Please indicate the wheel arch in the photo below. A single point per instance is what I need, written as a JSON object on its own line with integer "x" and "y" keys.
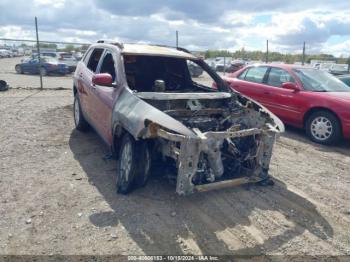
{"x": 118, "y": 132}
{"x": 316, "y": 109}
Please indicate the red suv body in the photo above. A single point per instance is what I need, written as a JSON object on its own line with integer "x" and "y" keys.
{"x": 300, "y": 96}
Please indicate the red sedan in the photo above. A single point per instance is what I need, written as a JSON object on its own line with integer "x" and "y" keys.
{"x": 303, "y": 97}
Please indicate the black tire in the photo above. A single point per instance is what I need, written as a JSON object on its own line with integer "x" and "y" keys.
{"x": 43, "y": 71}
{"x": 80, "y": 122}
{"x": 18, "y": 69}
{"x": 144, "y": 160}
{"x": 331, "y": 124}
{"x": 132, "y": 168}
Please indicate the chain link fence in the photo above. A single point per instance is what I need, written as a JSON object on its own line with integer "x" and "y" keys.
{"x": 21, "y": 67}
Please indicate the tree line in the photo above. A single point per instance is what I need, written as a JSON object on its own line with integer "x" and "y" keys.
{"x": 273, "y": 56}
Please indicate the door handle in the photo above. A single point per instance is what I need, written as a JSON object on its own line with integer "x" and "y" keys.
{"x": 267, "y": 93}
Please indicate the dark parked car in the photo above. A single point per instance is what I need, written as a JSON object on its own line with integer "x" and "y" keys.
{"x": 48, "y": 66}
{"x": 143, "y": 102}
{"x": 302, "y": 97}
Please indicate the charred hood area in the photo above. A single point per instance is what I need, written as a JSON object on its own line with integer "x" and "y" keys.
{"x": 231, "y": 131}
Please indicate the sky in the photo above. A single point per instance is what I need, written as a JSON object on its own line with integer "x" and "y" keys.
{"x": 202, "y": 24}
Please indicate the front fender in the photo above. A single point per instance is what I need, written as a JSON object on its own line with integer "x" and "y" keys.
{"x": 131, "y": 112}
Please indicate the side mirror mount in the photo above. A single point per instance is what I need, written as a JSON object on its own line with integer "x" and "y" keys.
{"x": 104, "y": 79}
{"x": 291, "y": 86}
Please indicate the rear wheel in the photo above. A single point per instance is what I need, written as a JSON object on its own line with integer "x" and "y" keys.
{"x": 80, "y": 123}
{"x": 18, "y": 69}
{"x": 323, "y": 127}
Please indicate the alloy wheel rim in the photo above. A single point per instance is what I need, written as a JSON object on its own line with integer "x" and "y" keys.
{"x": 321, "y": 128}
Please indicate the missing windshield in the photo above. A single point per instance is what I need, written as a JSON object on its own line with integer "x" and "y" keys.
{"x": 166, "y": 74}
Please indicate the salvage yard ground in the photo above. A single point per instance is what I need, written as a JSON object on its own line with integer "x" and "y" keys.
{"x": 58, "y": 195}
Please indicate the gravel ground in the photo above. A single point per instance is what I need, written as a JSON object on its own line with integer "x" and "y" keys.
{"x": 58, "y": 195}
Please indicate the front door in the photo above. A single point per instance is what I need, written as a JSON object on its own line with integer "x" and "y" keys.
{"x": 283, "y": 102}
{"x": 104, "y": 96}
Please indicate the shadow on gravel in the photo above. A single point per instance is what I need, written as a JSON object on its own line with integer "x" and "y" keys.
{"x": 343, "y": 147}
{"x": 160, "y": 222}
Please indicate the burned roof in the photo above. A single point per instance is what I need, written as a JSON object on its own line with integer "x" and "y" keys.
{"x": 154, "y": 50}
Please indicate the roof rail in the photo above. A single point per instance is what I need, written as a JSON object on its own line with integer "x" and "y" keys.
{"x": 118, "y": 44}
{"x": 177, "y": 48}
{"x": 183, "y": 50}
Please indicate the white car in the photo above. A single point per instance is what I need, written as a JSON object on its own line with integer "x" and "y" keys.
{"x": 5, "y": 53}
{"x": 69, "y": 60}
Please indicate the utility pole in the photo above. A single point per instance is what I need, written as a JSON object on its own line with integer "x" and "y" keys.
{"x": 267, "y": 52}
{"x": 38, "y": 49}
{"x": 177, "y": 39}
{"x": 303, "y": 57}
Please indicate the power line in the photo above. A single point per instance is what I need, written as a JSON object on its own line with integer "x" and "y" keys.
{"x": 49, "y": 42}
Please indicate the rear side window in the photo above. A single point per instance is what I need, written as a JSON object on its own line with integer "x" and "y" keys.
{"x": 254, "y": 74}
{"x": 278, "y": 76}
{"x": 86, "y": 56}
{"x": 94, "y": 59}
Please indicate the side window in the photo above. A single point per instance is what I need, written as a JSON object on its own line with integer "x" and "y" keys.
{"x": 108, "y": 65}
{"x": 94, "y": 59}
{"x": 198, "y": 75}
{"x": 278, "y": 76}
{"x": 256, "y": 74}
{"x": 242, "y": 75}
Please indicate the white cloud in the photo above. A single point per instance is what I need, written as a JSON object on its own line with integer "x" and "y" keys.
{"x": 50, "y": 3}
{"x": 223, "y": 24}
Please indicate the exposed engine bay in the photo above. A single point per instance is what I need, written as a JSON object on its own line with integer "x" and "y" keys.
{"x": 230, "y": 140}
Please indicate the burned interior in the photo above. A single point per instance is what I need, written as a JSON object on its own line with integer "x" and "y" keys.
{"x": 214, "y": 137}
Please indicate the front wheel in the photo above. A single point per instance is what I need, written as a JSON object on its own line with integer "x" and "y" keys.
{"x": 133, "y": 164}
{"x": 323, "y": 127}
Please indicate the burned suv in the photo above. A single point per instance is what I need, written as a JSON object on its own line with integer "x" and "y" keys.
{"x": 144, "y": 103}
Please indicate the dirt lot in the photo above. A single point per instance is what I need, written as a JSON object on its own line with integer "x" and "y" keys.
{"x": 58, "y": 196}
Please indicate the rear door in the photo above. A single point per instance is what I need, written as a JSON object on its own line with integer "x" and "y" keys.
{"x": 31, "y": 66}
{"x": 85, "y": 87}
{"x": 251, "y": 82}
